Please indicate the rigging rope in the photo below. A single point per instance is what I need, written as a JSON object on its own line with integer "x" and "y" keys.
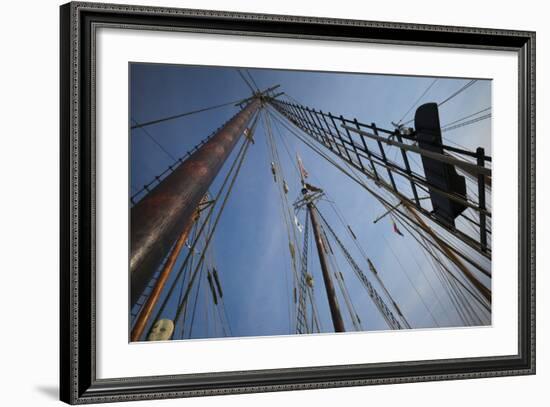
{"x": 207, "y": 265}
{"x": 422, "y": 272}
{"x": 245, "y": 81}
{"x": 314, "y": 310}
{"x": 418, "y": 100}
{"x": 285, "y": 206}
{"x": 355, "y": 320}
{"x": 464, "y": 118}
{"x": 373, "y": 294}
{"x": 430, "y": 313}
{"x": 193, "y": 236}
{"x": 252, "y": 79}
{"x": 301, "y": 314}
{"x": 446, "y": 284}
{"x": 435, "y": 270}
{"x": 467, "y": 123}
{"x": 404, "y": 221}
{"x": 157, "y": 143}
{"x": 347, "y": 227}
{"x": 177, "y": 116}
{"x": 453, "y": 95}
{"x": 458, "y": 92}
{"x": 463, "y": 306}
{"x": 194, "y": 303}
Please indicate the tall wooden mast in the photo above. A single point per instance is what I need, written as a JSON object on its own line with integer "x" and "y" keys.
{"x": 335, "y": 313}
{"x": 158, "y": 219}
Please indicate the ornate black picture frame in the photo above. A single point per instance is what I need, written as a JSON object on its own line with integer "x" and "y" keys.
{"x": 77, "y": 247}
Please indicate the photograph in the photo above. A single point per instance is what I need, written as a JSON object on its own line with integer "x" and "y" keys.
{"x": 278, "y": 199}
{"x": 268, "y": 202}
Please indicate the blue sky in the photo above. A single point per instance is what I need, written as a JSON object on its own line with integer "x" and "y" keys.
{"x": 250, "y": 247}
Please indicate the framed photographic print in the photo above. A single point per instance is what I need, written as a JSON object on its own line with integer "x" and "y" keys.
{"x": 257, "y": 203}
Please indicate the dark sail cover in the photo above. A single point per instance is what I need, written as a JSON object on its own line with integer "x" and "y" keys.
{"x": 440, "y": 175}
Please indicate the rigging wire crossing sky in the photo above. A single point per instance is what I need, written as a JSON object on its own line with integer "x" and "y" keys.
{"x": 250, "y": 248}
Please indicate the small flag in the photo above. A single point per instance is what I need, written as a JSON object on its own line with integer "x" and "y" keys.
{"x": 298, "y": 226}
{"x": 303, "y": 171}
{"x": 396, "y": 230}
